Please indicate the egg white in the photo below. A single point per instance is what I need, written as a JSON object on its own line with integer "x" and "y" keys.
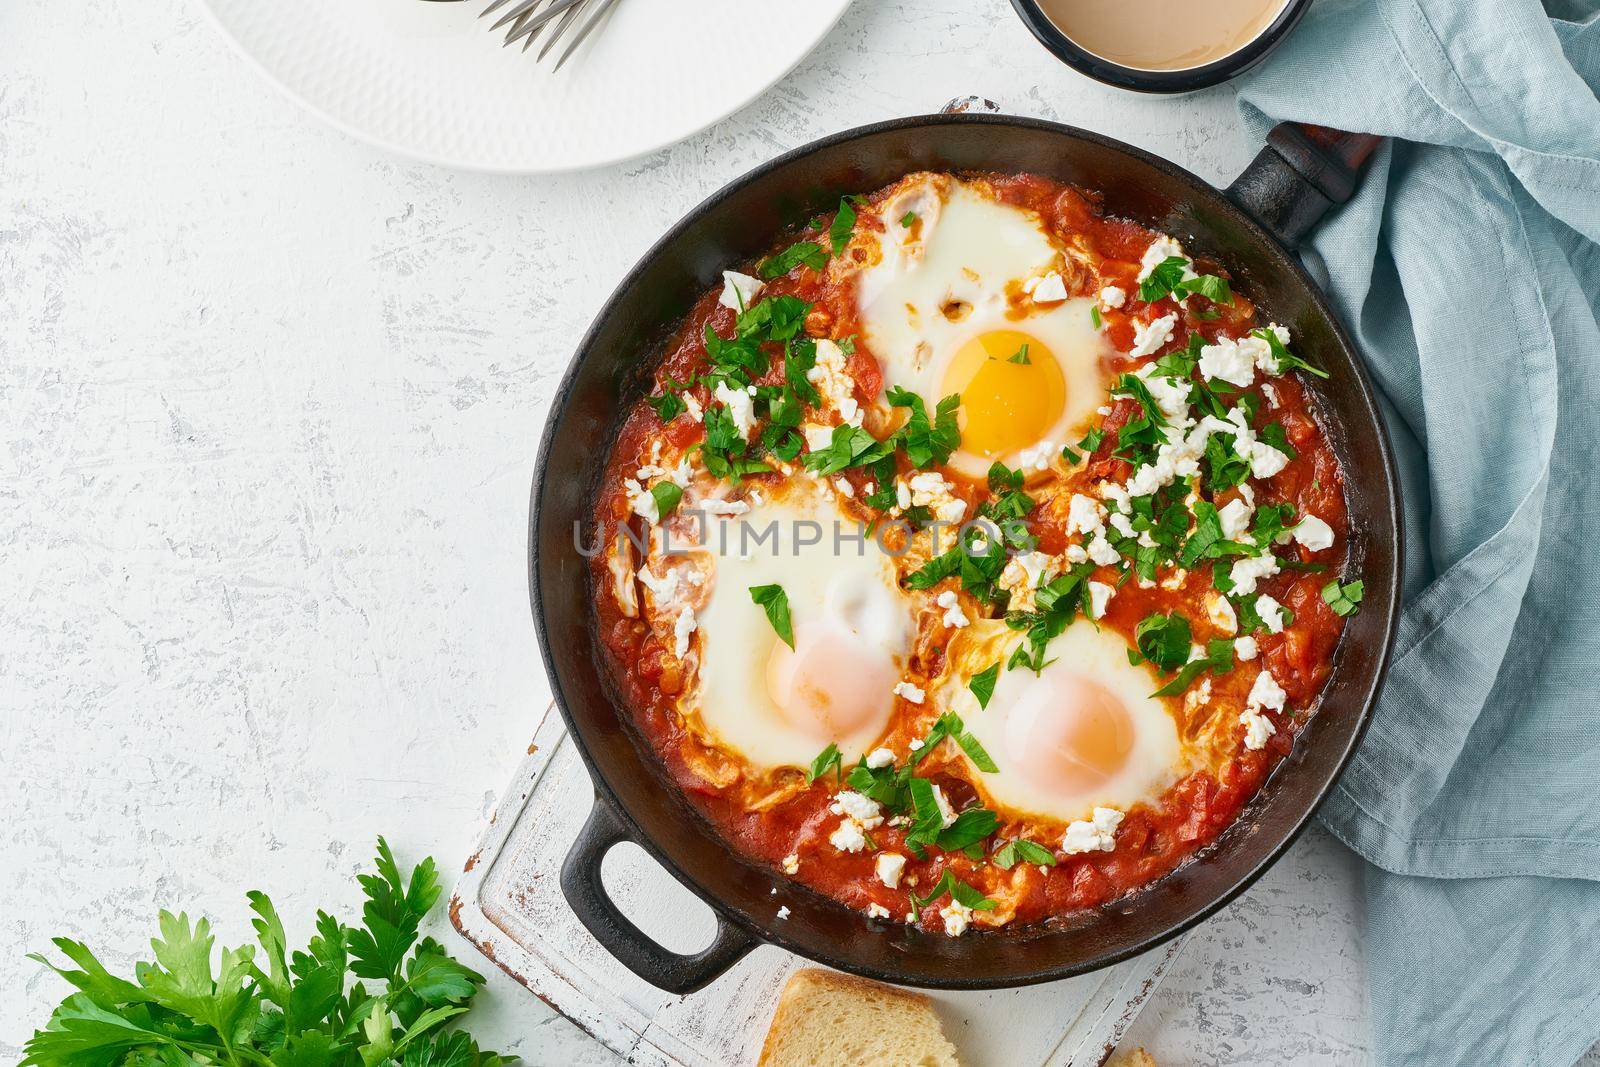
{"x": 849, "y": 585}
{"x": 963, "y": 248}
{"x": 1155, "y": 761}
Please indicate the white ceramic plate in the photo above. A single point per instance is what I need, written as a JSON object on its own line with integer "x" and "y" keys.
{"x": 428, "y": 81}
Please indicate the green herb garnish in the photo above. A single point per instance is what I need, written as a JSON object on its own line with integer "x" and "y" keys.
{"x": 807, "y": 252}
{"x": 775, "y": 602}
{"x": 1344, "y": 599}
{"x": 982, "y": 684}
{"x": 1021, "y": 850}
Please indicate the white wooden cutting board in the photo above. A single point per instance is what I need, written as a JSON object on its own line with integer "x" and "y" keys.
{"x": 509, "y": 904}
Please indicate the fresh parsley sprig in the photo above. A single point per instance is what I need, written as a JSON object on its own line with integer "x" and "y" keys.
{"x": 263, "y": 1006}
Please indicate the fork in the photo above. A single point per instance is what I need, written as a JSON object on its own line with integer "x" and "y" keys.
{"x": 528, "y": 18}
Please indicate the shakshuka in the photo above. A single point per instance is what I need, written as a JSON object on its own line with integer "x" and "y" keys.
{"x": 975, "y": 555}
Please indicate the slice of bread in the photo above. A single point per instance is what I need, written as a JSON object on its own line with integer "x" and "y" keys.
{"x": 1133, "y": 1058}
{"x": 828, "y": 1019}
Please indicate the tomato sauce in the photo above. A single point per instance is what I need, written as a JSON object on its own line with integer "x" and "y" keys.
{"x": 1153, "y": 838}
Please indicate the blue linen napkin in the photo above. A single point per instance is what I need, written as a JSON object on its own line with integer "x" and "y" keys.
{"x": 1468, "y": 270}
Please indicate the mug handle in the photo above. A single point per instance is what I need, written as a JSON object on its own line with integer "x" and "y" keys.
{"x": 1301, "y": 173}
{"x": 586, "y": 894}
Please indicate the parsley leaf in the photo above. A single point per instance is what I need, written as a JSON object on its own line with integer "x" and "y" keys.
{"x": 927, "y": 442}
{"x": 197, "y": 1003}
{"x": 668, "y": 404}
{"x": 1021, "y": 850}
{"x": 1210, "y": 286}
{"x": 959, "y": 891}
{"x": 843, "y": 223}
{"x": 1163, "y": 278}
{"x": 1021, "y": 356}
{"x": 667, "y": 496}
{"x": 851, "y": 446}
{"x": 808, "y": 252}
{"x": 1218, "y": 659}
{"x": 775, "y": 602}
{"x": 1285, "y": 359}
{"x": 907, "y": 219}
{"x": 828, "y": 757}
{"x": 1163, "y": 640}
{"x": 1344, "y": 599}
{"x": 982, "y": 684}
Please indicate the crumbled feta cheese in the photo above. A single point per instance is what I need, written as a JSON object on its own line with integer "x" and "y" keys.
{"x": 1038, "y": 457}
{"x": 957, "y": 917}
{"x": 1266, "y": 693}
{"x": 1103, "y": 410}
{"x": 791, "y": 863}
{"x": 1112, "y": 297}
{"x": 685, "y": 625}
{"x": 1245, "y": 648}
{"x": 1227, "y": 361}
{"x": 817, "y": 437}
{"x": 890, "y": 865}
{"x": 914, "y": 744}
{"x": 1117, "y": 495}
{"x": 1175, "y": 579}
{"x": 1101, "y": 552}
{"x": 1076, "y": 554}
{"x": 692, "y": 405}
{"x": 1271, "y": 613}
{"x": 1084, "y": 515}
{"x": 844, "y": 487}
{"x": 1148, "y": 337}
{"x": 664, "y": 589}
{"x": 879, "y": 757}
{"x": 1245, "y": 573}
{"x": 1050, "y": 290}
{"x": 848, "y": 837}
{"x": 1170, "y": 394}
{"x": 912, "y": 695}
{"x": 1265, "y": 461}
{"x": 1121, "y": 524}
{"x": 863, "y": 809}
{"x": 1280, "y": 332}
{"x": 832, "y": 379}
{"x": 1314, "y": 534}
{"x": 1097, "y": 834}
{"x": 1099, "y": 596}
{"x": 1270, "y": 393}
{"x": 1235, "y": 519}
{"x": 717, "y": 506}
{"x": 902, "y": 496}
{"x": 738, "y": 290}
{"x": 1023, "y": 574}
{"x": 641, "y": 501}
{"x": 741, "y": 406}
{"x": 1257, "y": 728}
{"x": 946, "y": 812}
{"x": 1198, "y": 696}
{"x": 1221, "y": 613}
{"x": 954, "y": 617}
{"x": 1161, "y": 249}
{"x": 877, "y": 911}
{"x": 930, "y": 489}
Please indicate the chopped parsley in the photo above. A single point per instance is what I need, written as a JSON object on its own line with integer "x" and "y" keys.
{"x": 1021, "y": 356}
{"x": 775, "y": 602}
{"x": 959, "y": 891}
{"x": 982, "y": 684}
{"x": 807, "y": 252}
{"x": 1218, "y": 659}
{"x": 1285, "y": 359}
{"x": 843, "y": 223}
{"x": 828, "y": 757}
{"x": 1163, "y": 640}
{"x": 1210, "y": 286}
{"x": 1021, "y": 850}
{"x": 907, "y": 219}
{"x": 1055, "y": 605}
{"x": 1163, "y": 278}
{"x": 1344, "y": 599}
{"x": 927, "y": 442}
{"x": 851, "y": 446}
{"x": 667, "y": 497}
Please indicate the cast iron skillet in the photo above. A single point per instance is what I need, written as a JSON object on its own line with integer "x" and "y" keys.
{"x": 1250, "y": 228}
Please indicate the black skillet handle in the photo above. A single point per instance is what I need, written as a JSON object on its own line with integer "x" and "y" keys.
{"x": 636, "y": 950}
{"x": 1300, "y": 175}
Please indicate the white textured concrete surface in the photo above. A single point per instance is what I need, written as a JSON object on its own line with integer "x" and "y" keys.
{"x": 271, "y": 400}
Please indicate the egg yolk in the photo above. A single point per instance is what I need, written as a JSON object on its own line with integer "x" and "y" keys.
{"x": 831, "y": 685}
{"x": 1012, "y": 391}
{"x": 1070, "y": 735}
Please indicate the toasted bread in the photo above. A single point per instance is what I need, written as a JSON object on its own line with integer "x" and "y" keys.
{"x": 825, "y": 1019}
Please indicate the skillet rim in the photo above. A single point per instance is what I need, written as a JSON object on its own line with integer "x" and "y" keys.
{"x": 1387, "y": 524}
